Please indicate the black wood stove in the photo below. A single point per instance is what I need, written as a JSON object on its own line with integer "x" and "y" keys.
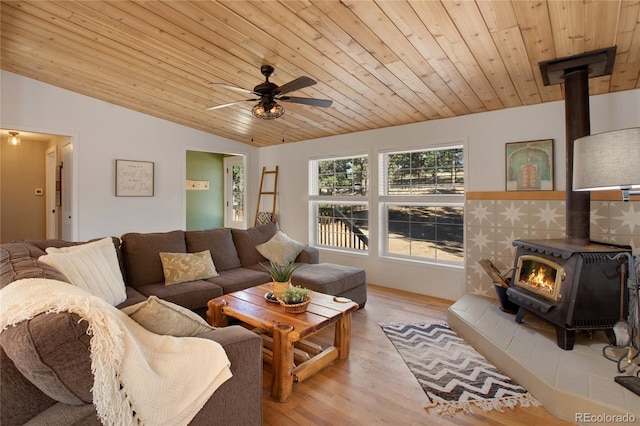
{"x": 571, "y": 283}
{"x": 573, "y": 287}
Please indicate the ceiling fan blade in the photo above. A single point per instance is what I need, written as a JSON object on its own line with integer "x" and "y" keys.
{"x": 234, "y": 88}
{"x": 323, "y": 103}
{"x": 229, "y": 104}
{"x": 297, "y": 84}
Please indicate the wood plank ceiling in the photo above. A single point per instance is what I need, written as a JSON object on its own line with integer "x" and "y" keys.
{"x": 382, "y": 63}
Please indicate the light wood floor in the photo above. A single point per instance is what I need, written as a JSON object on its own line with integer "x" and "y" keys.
{"x": 374, "y": 386}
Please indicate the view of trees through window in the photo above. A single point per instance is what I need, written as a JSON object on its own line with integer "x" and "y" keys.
{"x": 237, "y": 192}
{"x": 421, "y": 199}
{"x": 346, "y": 176}
{"x": 421, "y": 223}
{"x": 426, "y": 172}
{"x": 344, "y": 220}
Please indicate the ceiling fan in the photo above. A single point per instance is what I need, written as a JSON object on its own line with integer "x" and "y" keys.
{"x": 267, "y": 93}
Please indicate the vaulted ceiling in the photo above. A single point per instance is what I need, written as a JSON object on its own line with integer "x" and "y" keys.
{"x": 382, "y": 63}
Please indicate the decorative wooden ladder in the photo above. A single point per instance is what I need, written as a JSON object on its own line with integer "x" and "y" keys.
{"x": 266, "y": 216}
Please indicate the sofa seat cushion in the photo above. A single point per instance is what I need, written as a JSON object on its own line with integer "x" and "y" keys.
{"x": 241, "y": 278}
{"x": 191, "y": 294}
{"x": 328, "y": 278}
{"x": 64, "y": 414}
{"x": 246, "y": 241}
{"x": 219, "y": 242}
{"x": 133, "y": 297}
{"x": 141, "y": 255}
{"x": 53, "y": 352}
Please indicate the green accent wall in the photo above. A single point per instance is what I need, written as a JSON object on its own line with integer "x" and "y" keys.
{"x": 205, "y": 209}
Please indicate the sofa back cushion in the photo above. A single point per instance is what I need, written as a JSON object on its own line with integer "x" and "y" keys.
{"x": 20, "y": 260}
{"x": 56, "y": 243}
{"x": 52, "y": 352}
{"x": 141, "y": 255}
{"x": 246, "y": 241}
{"x": 219, "y": 242}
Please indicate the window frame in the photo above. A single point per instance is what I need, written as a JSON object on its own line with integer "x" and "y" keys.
{"x": 315, "y": 200}
{"x": 386, "y": 200}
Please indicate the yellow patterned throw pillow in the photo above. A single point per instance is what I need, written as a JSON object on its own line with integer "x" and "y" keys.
{"x": 183, "y": 267}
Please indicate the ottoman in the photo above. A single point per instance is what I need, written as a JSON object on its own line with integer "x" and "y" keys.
{"x": 337, "y": 280}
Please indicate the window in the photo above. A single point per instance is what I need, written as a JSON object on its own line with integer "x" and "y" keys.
{"x": 339, "y": 202}
{"x": 234, "y": 213}
{"x": 422, "y": 204}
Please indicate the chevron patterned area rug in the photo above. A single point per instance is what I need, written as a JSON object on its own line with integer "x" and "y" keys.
{"x": 453, "y": 375}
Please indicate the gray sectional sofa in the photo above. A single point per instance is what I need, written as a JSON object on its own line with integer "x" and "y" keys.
{"x": 57, "y": 340}
{"x": 237, "y": 261}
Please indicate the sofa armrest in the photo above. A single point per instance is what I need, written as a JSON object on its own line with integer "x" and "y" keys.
{"x": 239, "y": 399}
{"x": 308, "y": 255}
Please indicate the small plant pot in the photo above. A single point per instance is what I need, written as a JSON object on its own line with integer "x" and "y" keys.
{"x": 297, "y": 307}
{"x": 279, "y": 288}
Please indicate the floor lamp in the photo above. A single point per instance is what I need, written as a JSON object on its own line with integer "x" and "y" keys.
{"x": 611, "y": 160}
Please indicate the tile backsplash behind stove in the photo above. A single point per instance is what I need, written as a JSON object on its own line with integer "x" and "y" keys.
{"x": 493, "y": 224}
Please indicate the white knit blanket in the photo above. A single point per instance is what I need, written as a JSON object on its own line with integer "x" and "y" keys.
{"x": 164, "y": 380}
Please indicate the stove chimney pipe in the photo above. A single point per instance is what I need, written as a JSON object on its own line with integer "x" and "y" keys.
{"x": 578, "y": 204}
{"x": 575, "y": 72}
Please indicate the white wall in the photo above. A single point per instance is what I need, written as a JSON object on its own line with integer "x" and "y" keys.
{"x": 484, "y": 136}
{"x": 102, "y": 133}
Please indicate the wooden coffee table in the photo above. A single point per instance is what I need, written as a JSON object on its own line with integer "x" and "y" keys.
{"x": 292, "y": 358}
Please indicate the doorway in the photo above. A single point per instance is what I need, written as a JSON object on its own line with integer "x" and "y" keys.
{"x": 215, "y": 190}
{"x": 29, "y": 171}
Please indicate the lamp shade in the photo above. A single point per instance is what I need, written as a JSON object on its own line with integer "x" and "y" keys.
{"x": 609, "y": 160}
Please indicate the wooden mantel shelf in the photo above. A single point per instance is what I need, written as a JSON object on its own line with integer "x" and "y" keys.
{"x": 614, "y": 195}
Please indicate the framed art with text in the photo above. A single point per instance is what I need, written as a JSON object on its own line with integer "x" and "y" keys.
{"x": 134, "y": 178}
{"x": 529, "y": 165}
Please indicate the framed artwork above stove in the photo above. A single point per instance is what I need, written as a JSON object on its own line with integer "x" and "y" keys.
{"x": 529, "y": 165}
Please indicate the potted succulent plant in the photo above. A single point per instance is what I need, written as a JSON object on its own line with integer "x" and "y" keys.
{"x": 281, "y": 276}
{"x": 295, "y": 299}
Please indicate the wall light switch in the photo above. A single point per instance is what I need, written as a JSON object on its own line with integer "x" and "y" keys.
{"x": 39, "y": 191}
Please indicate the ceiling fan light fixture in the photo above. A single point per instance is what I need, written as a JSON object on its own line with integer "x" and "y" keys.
{"x": 268, "y": 111}
{"x": 14, "y": 138}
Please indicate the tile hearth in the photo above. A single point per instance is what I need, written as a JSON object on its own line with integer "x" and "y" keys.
{"x": 567, "y": 383}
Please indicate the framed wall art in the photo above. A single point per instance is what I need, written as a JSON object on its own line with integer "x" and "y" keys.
{"x": 134, "y": 178}
{"x": 529, "y": 165}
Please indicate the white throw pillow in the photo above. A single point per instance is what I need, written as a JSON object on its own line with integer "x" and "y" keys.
{"x": 162, "y": 317}
{"x": 280, "y": 249}
{"x": 93, "y": 267}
